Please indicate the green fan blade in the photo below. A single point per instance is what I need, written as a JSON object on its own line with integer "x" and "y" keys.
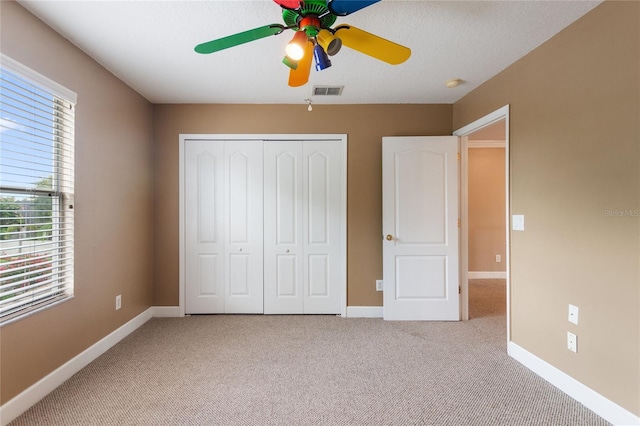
{"x": 240, "y": 38}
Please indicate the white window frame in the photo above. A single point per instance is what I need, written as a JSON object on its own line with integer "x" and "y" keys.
{"x": 58, "y": 255}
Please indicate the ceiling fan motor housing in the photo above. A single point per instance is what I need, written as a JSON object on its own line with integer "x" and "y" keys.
{"x": 309, "y": 9}
{"x": 310, "y": 25}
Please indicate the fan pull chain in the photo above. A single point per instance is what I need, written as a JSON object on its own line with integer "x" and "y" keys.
{"x": 309, "y": 100}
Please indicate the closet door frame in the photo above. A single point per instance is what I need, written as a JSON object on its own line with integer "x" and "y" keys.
{"x": 340, "y": 138}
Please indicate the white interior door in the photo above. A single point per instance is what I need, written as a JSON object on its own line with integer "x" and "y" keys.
{"x": 263, "y": 225}
{"x": 303, "y": 227}
{"x": 223, "y": 227}
{"x": 420, "y": 227}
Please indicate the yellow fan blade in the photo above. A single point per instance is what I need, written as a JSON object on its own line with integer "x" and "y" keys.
{"x": 300, "y": 75}
{"x": 372, "y": 45}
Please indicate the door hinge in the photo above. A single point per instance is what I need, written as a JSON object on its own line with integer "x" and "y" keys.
{"x": 458, "y": 156}
{"x": 459, "y": 223}
{"x": 459, "y": 290}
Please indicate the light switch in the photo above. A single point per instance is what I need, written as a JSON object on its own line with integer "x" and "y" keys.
{"x": 573, "y": 314}
{"x": 517, "y": 222}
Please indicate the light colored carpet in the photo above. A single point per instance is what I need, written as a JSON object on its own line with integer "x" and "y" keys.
{"x": 312, "y": 370}
{"x": 487, "y": 298}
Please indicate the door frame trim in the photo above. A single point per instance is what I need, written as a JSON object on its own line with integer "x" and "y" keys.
{"x": 497, "y": 115}
{"x": 183, "y": 137}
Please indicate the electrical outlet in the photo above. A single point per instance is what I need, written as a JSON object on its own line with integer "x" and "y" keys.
{"x": 498, "y": 258}
{"x": 118, "y": 302}
{"x": 572, "y": 342}
{"x": 379, "y": 285}
{"x": 573, "y": 314}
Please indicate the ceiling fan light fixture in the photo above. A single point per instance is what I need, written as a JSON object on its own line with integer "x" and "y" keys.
{"x": 322, "y": 60}
{"x": 330, "y": 43}
{"x": 295, "y": 48}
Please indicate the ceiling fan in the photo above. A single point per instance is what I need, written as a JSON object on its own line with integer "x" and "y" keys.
{"x": 311, "y": 20}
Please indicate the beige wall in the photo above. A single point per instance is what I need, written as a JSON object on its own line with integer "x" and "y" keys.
{"x": 365, "y": 126}
{"x": 487, "y": 204}
{"x": 113, "y": 202}
{"x": 575, "y": 160}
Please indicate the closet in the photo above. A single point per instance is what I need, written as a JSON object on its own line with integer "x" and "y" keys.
{"x": 263, "y": 225}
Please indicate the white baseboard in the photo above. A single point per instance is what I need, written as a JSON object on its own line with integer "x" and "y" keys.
{"x": 30, "y": 396}
{"x": 487, "y": 275}
{"x": 597, "y": 403}
{"x": 166, "y": 311}
{"x": 364, "y": 311}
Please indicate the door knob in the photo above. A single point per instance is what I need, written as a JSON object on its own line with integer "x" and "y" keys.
{"x": 389, "y": 237}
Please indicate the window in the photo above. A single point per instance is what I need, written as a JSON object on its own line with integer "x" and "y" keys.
{"x": 36, "y": 191}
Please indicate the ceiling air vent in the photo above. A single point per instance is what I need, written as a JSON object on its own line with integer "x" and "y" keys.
{"x": 327, "y": 90}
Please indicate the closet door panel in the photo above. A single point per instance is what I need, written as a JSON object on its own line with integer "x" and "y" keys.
{"x": 244, "y": 226}
{"x": 322, "y": 214}
{"x": 204, "y": 227}
{"x": 283, "y": 267}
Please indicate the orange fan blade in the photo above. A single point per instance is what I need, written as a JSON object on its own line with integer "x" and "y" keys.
{"x": 300, "y": 76}
{"x": 372, "y": 45}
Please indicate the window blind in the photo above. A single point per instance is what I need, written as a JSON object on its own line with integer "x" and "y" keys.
{"x": 36, "y": 193}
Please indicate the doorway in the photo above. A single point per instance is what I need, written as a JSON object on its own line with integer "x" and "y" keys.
{"x": 486, "y": 221}
{"x": 487, "y": 133}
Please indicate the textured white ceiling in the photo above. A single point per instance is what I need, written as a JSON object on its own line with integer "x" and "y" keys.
{"x": 149, "y": 45}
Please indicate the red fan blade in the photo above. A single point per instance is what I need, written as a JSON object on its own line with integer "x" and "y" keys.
{"x": 289, "y": 4}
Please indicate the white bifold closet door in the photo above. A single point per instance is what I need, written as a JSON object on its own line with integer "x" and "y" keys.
{"x": 224, "y": 227}
{"x": 302, "y": 234}
{"x": 263, "y": 226}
